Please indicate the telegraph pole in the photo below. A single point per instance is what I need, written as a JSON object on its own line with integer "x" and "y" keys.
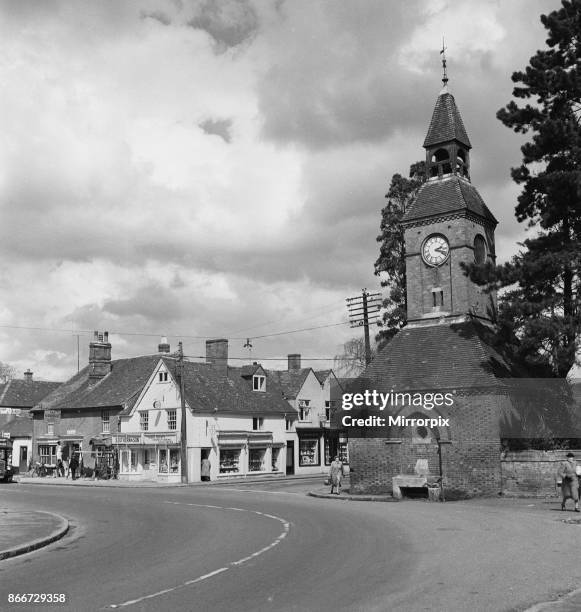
{"x": 361, "y": 309}
{"x": 183, "y": 428}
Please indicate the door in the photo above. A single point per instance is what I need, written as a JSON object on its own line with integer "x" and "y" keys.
{"x": 290, "y": 458}
{"x": 23, "y": 460}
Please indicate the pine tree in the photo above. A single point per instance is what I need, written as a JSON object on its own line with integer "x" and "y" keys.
{"x": 539, "y": 313}
{"x": 390, "y": 265}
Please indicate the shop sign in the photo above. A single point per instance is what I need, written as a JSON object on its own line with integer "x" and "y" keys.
{"x": 52, "y": 414}
{"x": 5, "y": 434}
{"x": 127, "y": 439}
{"x": 157, "y": 438}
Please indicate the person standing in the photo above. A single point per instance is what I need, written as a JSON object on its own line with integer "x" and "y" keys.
{"x": 59, "y": 471}
{"x": 336, "y": 473}
{"x": 73, "y": 465}
{"x": 570, "y": 481}
{"x": 66, "y": 455}
{"x": 206, "y": 466}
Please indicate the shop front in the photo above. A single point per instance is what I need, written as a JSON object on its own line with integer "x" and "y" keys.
{"x": 148, "y": 457}
{"x": 248, "y": 454}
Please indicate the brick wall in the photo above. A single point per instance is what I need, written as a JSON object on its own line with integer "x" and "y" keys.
{"x": 532, "y": 472}
{"x": 460, "y": 294}
{"x": 471, "y": 450}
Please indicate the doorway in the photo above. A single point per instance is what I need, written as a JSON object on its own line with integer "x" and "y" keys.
{"x": 23, "y": 460}
{"x": 290, "y": 458}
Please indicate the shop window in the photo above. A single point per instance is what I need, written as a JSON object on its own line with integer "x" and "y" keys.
{"x": 309, "y": 451}
{"x": 172, "y": 421}
{"x": 174, "y": 461}
{"x": 256, "y": 460}
{"x": 336, "y": 447}
{"x": 259, "y": 383}
{"x": 257, "y": 423}
{"x": 229, "y": 460}
{"x": 47, "y": 454}
{"x": 275, "y": 458}
{"x": 144, "y": 420}
{"x": 105, "y": 421}
{"x": 128, "y": 461}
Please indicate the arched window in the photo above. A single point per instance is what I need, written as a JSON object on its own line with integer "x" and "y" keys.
{"x": 480, "y": 250}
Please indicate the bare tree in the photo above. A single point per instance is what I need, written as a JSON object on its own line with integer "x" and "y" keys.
{"x": 7, "y": 372}
{"x": 351, "y": 362}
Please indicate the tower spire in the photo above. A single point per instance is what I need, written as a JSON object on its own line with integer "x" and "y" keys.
{"x": 444, "y": 73}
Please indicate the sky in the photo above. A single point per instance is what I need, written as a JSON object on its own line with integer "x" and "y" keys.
{"x": 202, "y": 169}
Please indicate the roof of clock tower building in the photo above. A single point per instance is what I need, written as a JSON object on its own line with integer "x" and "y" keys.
{"x": 443, "y": 196}
{"x": 446, "y": 123}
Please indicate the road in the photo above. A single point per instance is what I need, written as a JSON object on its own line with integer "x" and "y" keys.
{"x": 270, "y": 547}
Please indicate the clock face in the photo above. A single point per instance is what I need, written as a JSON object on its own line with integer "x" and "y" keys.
{"x": 435, "y": 250}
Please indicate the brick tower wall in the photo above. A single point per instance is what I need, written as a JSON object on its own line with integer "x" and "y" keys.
{"x": 471, "y": 451}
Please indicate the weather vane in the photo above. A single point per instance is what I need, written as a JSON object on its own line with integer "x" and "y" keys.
{"x": 443, "y": 54}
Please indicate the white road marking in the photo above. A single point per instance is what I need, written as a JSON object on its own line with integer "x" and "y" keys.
{"x": 259, "y": 491}
{"x": 275, "y": 542}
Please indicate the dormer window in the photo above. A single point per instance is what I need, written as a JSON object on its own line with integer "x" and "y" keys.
{"x": 259, "y": 383}
{"x": 163, "y": 377}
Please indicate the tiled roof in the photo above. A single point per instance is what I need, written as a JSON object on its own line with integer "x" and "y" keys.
{"x": 291, "y": 381}
{"x": 24, "y": 393}
{"x": 438, "y": 357}
{"x": 446, "y": 123}
{"x": 18, "y": 426}
{"x": 119, "y": 388}
{"x": 322, "y": 375}
{"x": 444, "y": 196}
{"x": 206, "y": 388}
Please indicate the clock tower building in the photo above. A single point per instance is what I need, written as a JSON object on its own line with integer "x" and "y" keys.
{"x": 447, "y": 224}
{"x": 448, "y": 348}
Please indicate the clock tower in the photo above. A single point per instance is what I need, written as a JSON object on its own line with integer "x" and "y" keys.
{"x": 447, "y": 224}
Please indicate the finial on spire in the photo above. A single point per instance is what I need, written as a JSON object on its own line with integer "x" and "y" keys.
{"x": 443, "y": 54}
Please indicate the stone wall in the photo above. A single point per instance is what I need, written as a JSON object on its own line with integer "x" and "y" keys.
{"x": 532, "y": 472}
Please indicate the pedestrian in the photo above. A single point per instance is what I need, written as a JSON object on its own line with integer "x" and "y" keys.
{"x": 59, "y": 471}
{"x": 91, "y": 463}
{"x": 66, "y": 455}
{"x": 206, "y": 465}
{"x": 336, "y": 473}
{"x": 73, "y": 465}
{"x": 569, "y": 481}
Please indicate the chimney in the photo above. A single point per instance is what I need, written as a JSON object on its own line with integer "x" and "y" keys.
{"x": 217, "y": 354}
{"x": 163, "y": 346}
{"x": 99, "y": 357}
{"x": 294, "y": 361}
{"x": 28, "y": 376}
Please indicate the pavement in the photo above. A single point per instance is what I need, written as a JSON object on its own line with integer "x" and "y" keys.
{"x": 22, "y": 531}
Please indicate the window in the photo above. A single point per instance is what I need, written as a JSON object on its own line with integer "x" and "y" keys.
{"x": 259, "y": 383}
{"x": 256, "y": 460}
{"x": 309, "y": 451}
{"x": 47, "y": 453}
{"x": 146, "y": 460}
{"x": 336, "y": 447}
{"x": 144, "y": 420}
{"x": 163, "y": 377}
{"x": 229, "y": 460}
{"x": 169, "y": 461}
{"x": 479, "y": 249}
{"x": 304, "y": 410}
{"x": 275, "y": 458}
{"x": 105, "y": 421}
{"x": 257, "y": 423}
{"x": 50, "y": 429}
{"x": 437, "y": 297}
{"x": 172, "y": 421}
{"x": 128, "y": 461}
{"x": 289, "y": 424}
{"x": 327, "y": 410}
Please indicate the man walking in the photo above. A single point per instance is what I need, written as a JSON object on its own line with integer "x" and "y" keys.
{"x": 336, "y": 473}
{"x": 569, "y": 481}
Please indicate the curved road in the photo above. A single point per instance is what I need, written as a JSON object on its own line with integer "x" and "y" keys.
{"x": 227, "y": 549}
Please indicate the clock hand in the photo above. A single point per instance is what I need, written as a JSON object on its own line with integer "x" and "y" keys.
{"x": 442, "y": 250}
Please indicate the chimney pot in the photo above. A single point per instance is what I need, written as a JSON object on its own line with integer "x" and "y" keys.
{"x": 163, "y": 346}
{"x": 28, "y": 375}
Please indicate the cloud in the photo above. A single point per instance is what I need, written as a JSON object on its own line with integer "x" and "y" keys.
{"x": 218, "y": 127}
{"x": 229, "y": 23}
